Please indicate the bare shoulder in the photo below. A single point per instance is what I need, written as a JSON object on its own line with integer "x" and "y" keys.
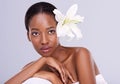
{"x": 83, "y": 55}
{"x": 82, "y": 51}
{"x": 84, "y": 66}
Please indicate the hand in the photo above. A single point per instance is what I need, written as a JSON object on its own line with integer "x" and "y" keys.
{"x": 58, "y": 67}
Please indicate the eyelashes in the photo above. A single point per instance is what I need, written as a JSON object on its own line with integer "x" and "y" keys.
{"x": 52, "y": 31}
{"x": 49, "y": 32}
{"x": 35, "y": 33}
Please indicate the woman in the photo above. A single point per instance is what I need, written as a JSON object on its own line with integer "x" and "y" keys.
{"x": 58, "y": 64}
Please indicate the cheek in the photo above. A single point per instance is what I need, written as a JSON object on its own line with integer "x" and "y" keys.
{"x": 54, "y": 40}
{"x": 35, "y": 42}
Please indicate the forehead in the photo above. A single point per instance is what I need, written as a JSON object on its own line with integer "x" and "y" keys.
{"x": 42, "y": 19}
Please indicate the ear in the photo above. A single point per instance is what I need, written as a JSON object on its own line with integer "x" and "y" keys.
{"x": 28, "y": 36}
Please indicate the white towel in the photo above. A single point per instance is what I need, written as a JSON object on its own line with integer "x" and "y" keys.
{"x": 35, "y": 80}
{"x": 99, "y": 80}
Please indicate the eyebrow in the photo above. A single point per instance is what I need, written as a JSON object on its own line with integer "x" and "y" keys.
{"x": 50, "y": 27}
{"x": 34, "y": 29}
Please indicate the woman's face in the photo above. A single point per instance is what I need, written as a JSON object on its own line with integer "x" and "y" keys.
{"x": 42, "y": 34}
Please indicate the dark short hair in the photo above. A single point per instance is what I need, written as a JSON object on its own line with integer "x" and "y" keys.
{"x": 40, "y": 7}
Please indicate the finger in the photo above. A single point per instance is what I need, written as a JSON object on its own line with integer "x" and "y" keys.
{"x": 62, "y": 73}
{"x": 59, "y": 68}
{"x": 70, "y": 76}
{"x": 65, "y": 77}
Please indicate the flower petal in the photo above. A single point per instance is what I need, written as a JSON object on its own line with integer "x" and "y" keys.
{"x": 61, "y": 30}
{"x": 58, "y": 15}
{"x": 67, "y": 28}
{"x": 76, "y": 31}
{"x": 77, "y": 19}
{"x": 72, "y": 11}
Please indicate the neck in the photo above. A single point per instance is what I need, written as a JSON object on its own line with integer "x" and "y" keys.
{"x": 62, "y": 53}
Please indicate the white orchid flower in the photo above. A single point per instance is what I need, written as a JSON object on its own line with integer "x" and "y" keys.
{"x": 67, "y": 24}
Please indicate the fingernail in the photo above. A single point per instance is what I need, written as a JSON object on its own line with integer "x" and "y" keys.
{"x": 64, "y": 81}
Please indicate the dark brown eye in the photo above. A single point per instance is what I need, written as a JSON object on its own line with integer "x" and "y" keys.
{"x": 52, "y": 31}
{"x": 35, "y": 33}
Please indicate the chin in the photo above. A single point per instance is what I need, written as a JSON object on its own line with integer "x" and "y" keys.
{"x": 45, "y": 54}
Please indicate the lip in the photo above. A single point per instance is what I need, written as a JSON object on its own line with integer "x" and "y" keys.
{"x": 45, "y": 49}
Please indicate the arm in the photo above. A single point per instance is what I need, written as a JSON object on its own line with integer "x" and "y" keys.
{"x": 33, "y": 68}
{"x": 85, "y": 66}
{"x": 27, "y": 72}
{"x": 52, "y": 77}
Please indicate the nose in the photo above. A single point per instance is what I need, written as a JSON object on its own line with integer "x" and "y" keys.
{"x": 44, "y": 39}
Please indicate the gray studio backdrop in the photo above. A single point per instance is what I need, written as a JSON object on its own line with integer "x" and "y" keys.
{"x": 101, "y": 31}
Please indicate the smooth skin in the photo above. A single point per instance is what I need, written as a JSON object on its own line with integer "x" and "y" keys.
{"x": 58, "y": 64}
